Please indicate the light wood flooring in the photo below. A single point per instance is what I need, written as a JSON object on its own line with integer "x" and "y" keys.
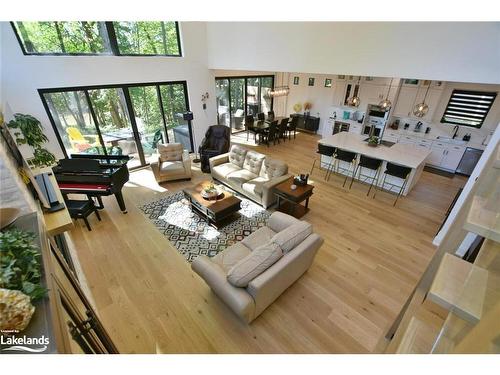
{"x": 373, "y": 255}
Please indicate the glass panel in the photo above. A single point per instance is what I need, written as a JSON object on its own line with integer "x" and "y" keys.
{"x": 74, "y": 122}
{"x": 222, "y": 91}
{"x": 149, "y": 120}
{"x": 266, "y": 84}
{"x": 253, "y": 105}
{"x": 63, "y": 37}
{"x": 110, "y": 109}
{"x": 147, "y": 38}
{"x": 173, "y": 99}
{"x": 237, "y": 89}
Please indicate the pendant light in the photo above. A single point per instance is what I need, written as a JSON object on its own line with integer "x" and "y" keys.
{"x": 282, "y": 90}
{"x": 354, "y": 100}
{"x": 385, "y": 105}
{"x": 421, "y": 109}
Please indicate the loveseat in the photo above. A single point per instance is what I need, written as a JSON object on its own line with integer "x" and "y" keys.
{"x": 249, "y": 275}
{"x": 250, "y": 173}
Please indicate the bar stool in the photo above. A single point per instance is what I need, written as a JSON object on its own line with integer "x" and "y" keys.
{"x": 398, "y": 171}
{"x": 348, "y": 157}
{"x": 368, "y": 163}
{"x": 81, "y": 209}
{"x": 326, "y": 151}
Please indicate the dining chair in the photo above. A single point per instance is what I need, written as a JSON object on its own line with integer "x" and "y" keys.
{"x": 292, "y": 127}
{"x": 271, "y": 133}
{"x": 261, "y": 116}
{"x": 282, "y": 129}
{"x": 249, "y": 126}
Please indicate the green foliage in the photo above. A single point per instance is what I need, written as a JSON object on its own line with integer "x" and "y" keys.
{"x": 89, "y": 37}
{"x": 147, "y": 38}
{"x": 19, "y": 263}
{"x": 373, "y": 140}
{"x": 63, "y": 37}
{"x": 31, "y": 133}
{"x": 31, "y": 130}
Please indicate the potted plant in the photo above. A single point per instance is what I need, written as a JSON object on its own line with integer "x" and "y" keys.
{"x": 373, "y": 141}
{"x": 307, "y": 108}
{"x": 29, "y": 131}
{"x": 210, "y": 191}
{"x": 20, "y": 278}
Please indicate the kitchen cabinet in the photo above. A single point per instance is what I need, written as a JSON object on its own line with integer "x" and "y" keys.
{"x": 406, "y": 101}
{"x": 338, "y": 93}
{"x": 409, "y": 96}
{"x": 445, "y": 156}
{"x": 432, "y": 100}
{"x": 436, "y": 156}
{"x": 452, "y": 157}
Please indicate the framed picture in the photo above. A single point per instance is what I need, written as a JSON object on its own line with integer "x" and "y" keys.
{"x": 311, "y": 81}
{"x": 295, "y": 80}
{"x": 328, "y": 82}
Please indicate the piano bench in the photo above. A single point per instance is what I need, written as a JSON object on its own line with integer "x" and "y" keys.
{"x": 81, "y": 209}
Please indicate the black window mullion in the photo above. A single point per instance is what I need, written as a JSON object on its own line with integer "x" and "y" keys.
{"x": 162, "y": 110}
{"x": 190, "y": 127}
{"x": 229, "y": 98}
{"x": 272, "y": 98}
{"x": 113, "y": 43}
{"x": 96, "y": 123}
{"x": 246, "y": 99}
{"x": 178, "y": 38}
{"x": 131, "y": 113}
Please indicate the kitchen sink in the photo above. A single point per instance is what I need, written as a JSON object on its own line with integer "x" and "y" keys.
{"x": 451, "y": 140}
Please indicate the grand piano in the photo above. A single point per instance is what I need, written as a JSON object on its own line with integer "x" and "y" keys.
{"x": 94, "y": 176}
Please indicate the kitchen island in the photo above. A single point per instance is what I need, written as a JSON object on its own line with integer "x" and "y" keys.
{"x": 402, "y": 154}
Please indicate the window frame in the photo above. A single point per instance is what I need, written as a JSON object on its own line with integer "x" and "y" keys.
{"x": 472, "y": 92}
{"x": 113, "y": 43}
{"x": 129, "y": 107}
{"x": 245, "y": 77}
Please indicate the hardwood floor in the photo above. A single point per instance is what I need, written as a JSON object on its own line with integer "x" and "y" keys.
{"x": 151, "y": 301}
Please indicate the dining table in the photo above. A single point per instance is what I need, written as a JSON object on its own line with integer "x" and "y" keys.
{"x": 260, "y": 126}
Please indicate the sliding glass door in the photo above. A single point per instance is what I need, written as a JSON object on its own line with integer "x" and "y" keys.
{"x": 241, "y": 96}
{"x": 237, "y": 100}
{"x": 222, "y": 93}
{"x": 120, "y": 120}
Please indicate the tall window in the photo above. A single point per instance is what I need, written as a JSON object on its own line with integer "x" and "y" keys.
{"x": 468, "y": 108}
{"x": 241, "y": 96}
{"x": 159, "y": 38}
{"x": 130, "y": 119}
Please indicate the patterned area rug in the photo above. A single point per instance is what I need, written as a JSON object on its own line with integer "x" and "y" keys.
{"x": 191, "y": 235}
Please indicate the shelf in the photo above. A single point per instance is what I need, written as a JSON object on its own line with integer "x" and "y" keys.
{"x": 460, "y": 286}
{"x": 484, "y": 218}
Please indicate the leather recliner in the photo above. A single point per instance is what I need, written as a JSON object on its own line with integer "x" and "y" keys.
{"x": 216, "y": 142}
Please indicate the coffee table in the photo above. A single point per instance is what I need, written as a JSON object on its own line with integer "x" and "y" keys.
{"x": 217, "y": 211}
{"x": 293, "y": 198}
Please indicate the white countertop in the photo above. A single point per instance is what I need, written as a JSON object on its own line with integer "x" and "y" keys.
{"x": 402, "y": 154}
{"x": 432, "y": 136}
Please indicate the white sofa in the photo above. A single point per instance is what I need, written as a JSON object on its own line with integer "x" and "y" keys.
{"x": 250, "y": 173}
{"x": 249, "y": 275}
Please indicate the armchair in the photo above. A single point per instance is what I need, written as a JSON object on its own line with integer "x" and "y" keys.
{"x": 216, "y": 142}
{"x": 173, "y": 163}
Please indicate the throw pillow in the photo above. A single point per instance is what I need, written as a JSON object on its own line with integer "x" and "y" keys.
{"x": 290, "y": 237}
{"x": 254, "y": 264}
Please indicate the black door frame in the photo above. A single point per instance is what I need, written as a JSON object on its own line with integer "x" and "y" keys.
{"x": 130, "y": 110}
{"x": 228, "y": 78}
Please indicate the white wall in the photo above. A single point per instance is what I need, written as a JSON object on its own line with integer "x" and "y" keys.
{"x": 23, "y": 75}
{"x": 447, "y": 51}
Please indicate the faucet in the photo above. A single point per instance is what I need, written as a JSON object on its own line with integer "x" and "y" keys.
{"x": 455, "y": 131}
